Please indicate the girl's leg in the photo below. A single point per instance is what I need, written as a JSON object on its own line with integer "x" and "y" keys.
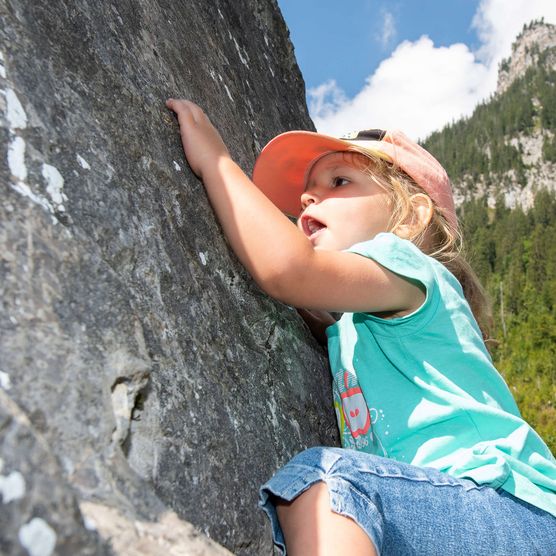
{"x": 311, "y": 528}
{"x": 403, "y": 509}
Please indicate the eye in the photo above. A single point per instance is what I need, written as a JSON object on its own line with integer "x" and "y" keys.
{"x": 338, "y": 180}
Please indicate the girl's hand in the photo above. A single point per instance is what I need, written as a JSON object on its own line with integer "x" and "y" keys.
{"x": 318, "y": 322}
{"x": 274, "y": 251}
{"x": 202, "y": 143}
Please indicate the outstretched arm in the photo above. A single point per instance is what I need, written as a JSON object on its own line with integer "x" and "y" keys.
{"x": 278, "y": 256}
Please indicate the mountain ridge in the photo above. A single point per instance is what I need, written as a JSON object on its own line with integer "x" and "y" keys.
{"x": 535, "y": 38}
{"x": 507, "y": 147}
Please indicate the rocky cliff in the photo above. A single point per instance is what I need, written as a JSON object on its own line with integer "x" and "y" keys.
{"x": 146, "y": 383}
{"x": 507, "y": 148}
{"x": 534, "y": 48}
{"x": 536, "y": 38}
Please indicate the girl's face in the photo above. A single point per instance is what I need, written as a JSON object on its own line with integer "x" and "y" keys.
{"x": 341, "y": 204}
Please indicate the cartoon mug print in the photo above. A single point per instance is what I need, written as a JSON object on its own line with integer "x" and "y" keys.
{"x": 354, "y": 407}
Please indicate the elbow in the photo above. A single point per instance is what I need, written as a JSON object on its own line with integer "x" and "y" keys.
{"x": 280, "y": 284}
{"x": 286, "y": 276}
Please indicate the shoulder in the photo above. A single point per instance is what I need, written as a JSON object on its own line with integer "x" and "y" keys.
{"x": 397, "y": 255}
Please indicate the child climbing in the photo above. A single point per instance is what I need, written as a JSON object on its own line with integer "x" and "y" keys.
{"x": 436, "y": 458}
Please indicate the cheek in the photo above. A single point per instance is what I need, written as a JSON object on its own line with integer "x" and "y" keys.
{"x": 383, "y": 210}
{"x": 376, "y": 213}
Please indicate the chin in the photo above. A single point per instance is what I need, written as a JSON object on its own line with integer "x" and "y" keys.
{"x": 331, "y": 246}
{"x": 330, "y": 242}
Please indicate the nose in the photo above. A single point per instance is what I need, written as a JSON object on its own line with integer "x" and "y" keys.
{"x": 308, "y": 198}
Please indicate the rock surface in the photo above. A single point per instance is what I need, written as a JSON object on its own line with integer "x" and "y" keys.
{"x": 146, "y": 381}
{"x": 535, "y": 38}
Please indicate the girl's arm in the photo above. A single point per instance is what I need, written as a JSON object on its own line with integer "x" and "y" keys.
{"x": 318, "y": 322}
{"x": 280, "y": 258}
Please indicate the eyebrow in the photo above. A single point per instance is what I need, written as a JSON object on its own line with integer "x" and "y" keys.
{"x": 332, "y": 169}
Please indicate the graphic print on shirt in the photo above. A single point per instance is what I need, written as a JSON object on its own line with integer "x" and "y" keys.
{"x": 352, "y": 413}
{"x": 356, "y": 412}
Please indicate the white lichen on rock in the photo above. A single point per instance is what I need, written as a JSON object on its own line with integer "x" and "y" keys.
{"x": 54, "y": 186}
{"x": 37, "y": 537}
{"x": 82, "y": 162}
{"x": 2, "y": 66}
{"x": 12, "y": 486}
{"x": 5, "y": 382}
{"x": 15, "y": 114}
{"x": 16, "y": 159}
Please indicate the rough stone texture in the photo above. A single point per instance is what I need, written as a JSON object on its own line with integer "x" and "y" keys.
{"x": 35, "y": 495}
{"x": 153, "y": 379}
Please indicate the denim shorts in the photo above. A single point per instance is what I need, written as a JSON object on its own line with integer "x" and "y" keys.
{"x": 409, "y": 510}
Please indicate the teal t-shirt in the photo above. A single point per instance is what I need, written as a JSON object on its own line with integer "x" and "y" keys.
{"x": 422, "y": 388}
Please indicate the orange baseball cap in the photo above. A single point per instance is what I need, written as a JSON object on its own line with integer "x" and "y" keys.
{"x": 283, "y": 165}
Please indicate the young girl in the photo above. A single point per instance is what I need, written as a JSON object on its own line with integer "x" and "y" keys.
{"x": 436, "y": 459}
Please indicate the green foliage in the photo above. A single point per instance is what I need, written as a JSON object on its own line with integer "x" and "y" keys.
{"x": 514, "y": 255}
{"x": 549, "y": 148}
{"x": 480, "y": 146}
{"x": 504, "y": 65}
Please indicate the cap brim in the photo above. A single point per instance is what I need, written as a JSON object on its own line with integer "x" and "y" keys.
{"x": 281, "y": 168}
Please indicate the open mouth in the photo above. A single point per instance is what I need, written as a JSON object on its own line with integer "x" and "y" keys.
{"x": 311, "y": 226}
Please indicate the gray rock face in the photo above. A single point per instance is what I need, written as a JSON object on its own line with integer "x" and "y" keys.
{"x": 146, "y": 381}
{"x": 534, "y": 40}
{"x": 42, "y": 511}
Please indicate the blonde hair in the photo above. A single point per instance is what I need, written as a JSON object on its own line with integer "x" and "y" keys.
{"x": 438, "y": 238}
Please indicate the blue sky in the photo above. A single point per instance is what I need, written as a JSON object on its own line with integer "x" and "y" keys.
{"x": 411, "y": 64}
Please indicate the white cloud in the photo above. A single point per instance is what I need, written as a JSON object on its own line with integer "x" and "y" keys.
{"x": 421, "y": 87}
{"x": 498, "y": 22}
{"x": 326, "y": 99}
{"x": 388, "y": 28}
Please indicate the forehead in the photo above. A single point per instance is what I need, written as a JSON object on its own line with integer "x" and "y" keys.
{"x": 333, "y": 160}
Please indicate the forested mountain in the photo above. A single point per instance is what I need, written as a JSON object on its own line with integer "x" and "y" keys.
{"x": 502, "y": 163}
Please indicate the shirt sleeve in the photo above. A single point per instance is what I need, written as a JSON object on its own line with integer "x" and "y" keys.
{"x": 406, "y": 260}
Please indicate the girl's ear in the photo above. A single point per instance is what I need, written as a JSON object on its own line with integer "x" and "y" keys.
{"x": 422, "y": 209}
{"x": 421, "y": 215}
